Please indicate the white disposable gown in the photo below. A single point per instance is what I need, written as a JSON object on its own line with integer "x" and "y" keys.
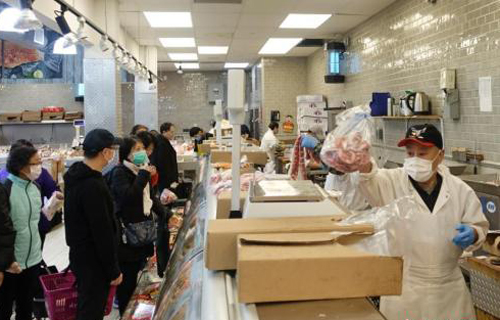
{"x": 434, "y": 287}
{"x": 268, "y": 144}
{"x": 348, "y": 185}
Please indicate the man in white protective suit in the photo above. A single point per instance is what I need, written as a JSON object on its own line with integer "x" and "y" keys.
{"x": 449, "y": 220}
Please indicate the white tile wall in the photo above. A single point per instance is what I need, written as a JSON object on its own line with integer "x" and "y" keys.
{"x": 405, "y": 46}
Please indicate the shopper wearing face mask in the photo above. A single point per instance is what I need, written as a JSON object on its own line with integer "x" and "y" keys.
{"x": 24, "y": 166}
{"x": 136, "y": 207}
{"x": 91, "y": 226}
{"x": 449, "y": 221}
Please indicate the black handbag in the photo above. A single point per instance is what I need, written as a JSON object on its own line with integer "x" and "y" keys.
{"x": 140, "y": 233}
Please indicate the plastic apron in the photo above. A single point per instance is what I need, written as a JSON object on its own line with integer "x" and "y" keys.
{"x": 433, "y": 285}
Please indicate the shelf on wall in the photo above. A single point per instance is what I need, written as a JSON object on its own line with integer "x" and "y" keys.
{"x": 37, "y": 123}
{"x": 429, "y": 117}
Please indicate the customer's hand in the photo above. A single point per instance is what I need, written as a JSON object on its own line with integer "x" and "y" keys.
{"x": 59, "y": 195}
{"x": 150, "y": 169}
{"x": 1, "y": 278}
{"x": 117, "y": 281}
{"x": 14, "y": 268}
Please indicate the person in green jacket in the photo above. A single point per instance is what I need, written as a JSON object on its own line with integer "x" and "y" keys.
{"x": 24, "y": 165}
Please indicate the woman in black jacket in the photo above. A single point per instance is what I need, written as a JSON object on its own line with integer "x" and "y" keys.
{"x": 134, "y": 203}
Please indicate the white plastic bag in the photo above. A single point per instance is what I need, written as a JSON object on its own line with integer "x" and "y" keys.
{"x": 54, "y": 204}
{"x": 167, "y": 197}
{"x": 347, "y": 148}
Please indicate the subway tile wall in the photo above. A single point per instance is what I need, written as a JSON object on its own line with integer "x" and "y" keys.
{"x": 128, "y": 106}
{"x": 283, "y": 79}
{"x": 405, "y": 46}
{"x": 25, "y": 96}
{"x": 183, "y": 99}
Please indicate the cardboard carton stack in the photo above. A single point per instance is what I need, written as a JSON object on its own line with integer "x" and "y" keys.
{"x": 300, "y": 259}
{"x": 311, "y": 112}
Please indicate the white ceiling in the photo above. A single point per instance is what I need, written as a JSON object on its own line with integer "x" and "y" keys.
{"x": 243, "y": 27}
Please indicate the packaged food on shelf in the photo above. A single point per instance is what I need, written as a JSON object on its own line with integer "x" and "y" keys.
{"x": 31, "y": 116}
{"x": 313, "y": 266}
{"x": 53, "y": 113}
{"x": 73, "y": 115}
{"x": 10, "y": 117}
{"x": 221, "y": 242}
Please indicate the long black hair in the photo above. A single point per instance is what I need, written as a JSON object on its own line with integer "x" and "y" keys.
{"x": 19, "y": 158}
{"x": 126, "y": 145}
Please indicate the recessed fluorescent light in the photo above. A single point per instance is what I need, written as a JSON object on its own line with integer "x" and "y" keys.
{"x": 279, "y": 45}
{"x": 304, "y": 21}
{"x": 187, "y": 66}
{"x": 212, "y": 50}
{"x": 183, "y": 56}
{"x": 178, "y": 42}
{"x": 169, "y": 19}
{"x": 236, "y": 65}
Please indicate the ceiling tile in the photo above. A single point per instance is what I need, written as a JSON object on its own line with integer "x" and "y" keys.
{"x": 270, "y": 6}
{"x": 217, "y": 8}
{"x": 254, "y": 33}
{"x": 226, "y": 20}
{"x": 261, "y": 20}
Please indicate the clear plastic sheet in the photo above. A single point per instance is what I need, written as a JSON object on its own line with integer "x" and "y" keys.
{"x": 393, "y": 228}
{"x": 348, "y": 146}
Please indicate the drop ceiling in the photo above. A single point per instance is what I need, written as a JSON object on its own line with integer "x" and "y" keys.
{"x": 244, "y": 27}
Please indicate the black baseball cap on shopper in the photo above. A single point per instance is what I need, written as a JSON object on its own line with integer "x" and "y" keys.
{"x": 99, "y": 139}
{"x": 425, "y": 135}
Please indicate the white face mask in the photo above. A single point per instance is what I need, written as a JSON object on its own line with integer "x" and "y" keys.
{"x": 419, "y": 169}
{"x": 35, "y": 172}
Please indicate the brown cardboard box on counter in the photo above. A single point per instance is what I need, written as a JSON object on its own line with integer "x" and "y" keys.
{"x": 224, "y": 203}
{"x": 206, "y": 148}
{"x": 255, "y": 157}
{"x": 312, "y": 266}
{"x": 10, "y": 117}
{"x": 339, "y": 309}
{"x": 32, "y": 116}
{"x": 53, "y": 115}
{"x": 221, "y": 247}
{"x": 73, "y": 115}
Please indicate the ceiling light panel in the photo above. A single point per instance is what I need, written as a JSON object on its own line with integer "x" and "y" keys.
{"x": 236, "y": 65}
{"x": 169, "y": 19}
{"x": 178, "y": 42}
{"x": 212, "y": 50}
{"x": 183, "y": 56}
{"x": 279, "y": 45}
{"x": 304, "y": 21}
{"x": 187, "y": 66}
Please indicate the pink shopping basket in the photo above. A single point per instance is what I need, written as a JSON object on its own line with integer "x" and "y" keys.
{"x": 61, "y": 297}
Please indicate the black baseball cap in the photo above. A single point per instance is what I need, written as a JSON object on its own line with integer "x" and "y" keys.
{"x": 425, "y": 135}
{"x": 99, "y": 139}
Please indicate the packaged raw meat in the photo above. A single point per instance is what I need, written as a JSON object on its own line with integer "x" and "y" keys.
{"x": 347, "y": 148}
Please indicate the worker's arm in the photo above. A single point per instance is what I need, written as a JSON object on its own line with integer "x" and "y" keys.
{"x": 473, "y": 216}
{"x": 378, "y": 186}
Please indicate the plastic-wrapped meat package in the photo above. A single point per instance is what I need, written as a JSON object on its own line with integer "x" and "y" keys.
{"x": 347, "y": 148}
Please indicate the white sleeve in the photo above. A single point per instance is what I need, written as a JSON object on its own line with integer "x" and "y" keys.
{"x": 473, "y": 216}
{"x": 380, "y": 186}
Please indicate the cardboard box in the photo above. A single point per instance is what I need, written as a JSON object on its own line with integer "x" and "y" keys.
{"x": 73, "y": 115}
{"x": 32, "y": 116}
{"x": 221, "y": 247}
{"x": 313, "y": 266}
{"x": 10, "y": 117}
{"x": 255, "y": 157}
{"x": 53, "y": 115}
{"x": 224, "y": 203}
{"x": 340, "y": 309}
{"x": 206, "y": 148}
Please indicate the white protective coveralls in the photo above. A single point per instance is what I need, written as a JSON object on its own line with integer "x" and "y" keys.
{"x": 348, "y": 185}
{"x": 268, "y": 144}
{"x": 434, "y": 287}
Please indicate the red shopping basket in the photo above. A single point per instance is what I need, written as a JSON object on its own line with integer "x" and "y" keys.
{"x": 61, "y": 297}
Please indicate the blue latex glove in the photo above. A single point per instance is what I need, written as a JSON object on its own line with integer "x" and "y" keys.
{"x": 309, "y": 142}
{"x": 465, "y": 237}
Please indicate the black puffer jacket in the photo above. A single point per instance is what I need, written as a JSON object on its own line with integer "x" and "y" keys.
{"x": 91, "y": 226}
{"x": 127, "y": 189}
{"x": 164, "y": 157}
{"x": 7, "y": 232}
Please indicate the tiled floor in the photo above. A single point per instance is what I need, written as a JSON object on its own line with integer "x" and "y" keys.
{"x": 56, "y": 252}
